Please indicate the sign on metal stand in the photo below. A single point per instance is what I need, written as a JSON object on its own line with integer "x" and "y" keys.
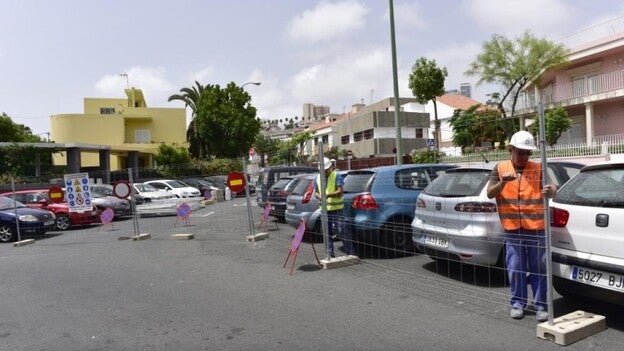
{"x": 252, "y": 235}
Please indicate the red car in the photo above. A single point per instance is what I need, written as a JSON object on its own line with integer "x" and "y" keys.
{"x": 64, "y": 218}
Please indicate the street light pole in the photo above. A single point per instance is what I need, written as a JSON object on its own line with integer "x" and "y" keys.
{"x": 254, "y": 83}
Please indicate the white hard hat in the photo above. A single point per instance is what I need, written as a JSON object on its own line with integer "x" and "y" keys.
{"x": 522, "y": 140}
{"x": 326, "y": 163}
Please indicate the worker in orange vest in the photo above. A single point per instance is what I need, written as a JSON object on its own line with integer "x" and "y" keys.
{"x": 517, "y": 186}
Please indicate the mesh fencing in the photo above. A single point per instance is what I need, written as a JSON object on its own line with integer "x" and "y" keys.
{"x": 381, "y": 224}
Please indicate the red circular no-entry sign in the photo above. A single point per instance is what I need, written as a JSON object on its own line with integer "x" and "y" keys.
{"x": 56, "y": 194}
{"x": 236, "y": 182}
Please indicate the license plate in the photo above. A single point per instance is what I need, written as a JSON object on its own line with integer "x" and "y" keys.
{"x": 436, "y": 241}
{"x": 48, "y": 223}
{"x": 598, "y": 278}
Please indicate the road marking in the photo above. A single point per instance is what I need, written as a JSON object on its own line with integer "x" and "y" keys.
{"x": 208, "y": 214}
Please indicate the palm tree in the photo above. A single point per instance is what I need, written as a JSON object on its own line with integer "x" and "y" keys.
{"x": 191, "y": 97}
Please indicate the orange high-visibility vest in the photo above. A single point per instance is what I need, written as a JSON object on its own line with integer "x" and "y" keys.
{"x": 521, "y": 203}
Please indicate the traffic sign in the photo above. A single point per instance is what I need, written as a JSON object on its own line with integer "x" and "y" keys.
{"x": 252, "y": 152}
{"x": 430, "y": 142}
{"x": 236, "y": 182}
{"x": 349, "y": 153}
{"x": 56, "y": 194}
{"x": 121, "y": 189}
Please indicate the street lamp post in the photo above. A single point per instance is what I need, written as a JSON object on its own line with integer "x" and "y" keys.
{"x": 246, "y": 172}
{"x": 254, "y": 83}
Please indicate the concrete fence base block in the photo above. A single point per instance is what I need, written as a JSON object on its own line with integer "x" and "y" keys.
{"x": 340, "y": 261}
{"x": 571, "y": 327}
{"x": 24, "y": 242}
{"x": 183, "y": 236}
{"x": 257, "y": 236}
{"x": 143, "y": 236}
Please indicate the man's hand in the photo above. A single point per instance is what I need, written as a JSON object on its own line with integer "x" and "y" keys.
{"x": 549, "y": 190}
{"x": 507, "y": 177}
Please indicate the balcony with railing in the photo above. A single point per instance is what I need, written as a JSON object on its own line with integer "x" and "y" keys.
{"x": 579, "y": 91}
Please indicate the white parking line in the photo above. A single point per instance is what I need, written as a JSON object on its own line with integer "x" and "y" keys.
{"x": 208, "y": 214}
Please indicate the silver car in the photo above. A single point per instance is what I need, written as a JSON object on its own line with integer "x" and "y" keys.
{"x": 301, "y": 204}
{"x": 455, "y": 220}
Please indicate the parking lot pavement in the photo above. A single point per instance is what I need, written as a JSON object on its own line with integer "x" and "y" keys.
{"x": 88, "y": 288}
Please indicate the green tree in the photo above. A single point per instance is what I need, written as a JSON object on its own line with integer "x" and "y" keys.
{"x": 427, "y": 82}
{"x": 264, "y": 146}
{"x": 172, "y": 155}
{"x": 556, "y": 121}
{"x": 13, "y": 132}
{"x": 515, "y": 63}
{"x": 476, "y": 126}
{"x": 17, "y": 160}
{"x": 190, "y": 97}
{"x": 226, "y": 121}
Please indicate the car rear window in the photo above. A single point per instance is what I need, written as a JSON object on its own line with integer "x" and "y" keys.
{"x": 301, "y": 188}
{"x": 281, "y": 184}
{"x": 357, "y": 181}
{"x": 602, "y": 187}
{"x": 459, "y": 183}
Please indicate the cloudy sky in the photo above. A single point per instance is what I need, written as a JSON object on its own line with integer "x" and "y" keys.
{"x": 328, "y": 52}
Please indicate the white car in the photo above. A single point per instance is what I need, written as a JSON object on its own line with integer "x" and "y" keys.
{"x": 455, "y": 220}
{"x": 150, "y": 193}
{"x": 176, "y": 187}
{"x": 588, "y": 234}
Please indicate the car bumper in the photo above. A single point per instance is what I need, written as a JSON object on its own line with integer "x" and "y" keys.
{"x": 84, "y": 218}
{"x": 477, "y": 243}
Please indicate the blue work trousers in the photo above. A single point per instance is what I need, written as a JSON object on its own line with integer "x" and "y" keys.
{"x": 526, "y": 252}
{"x": 336, "y": 220}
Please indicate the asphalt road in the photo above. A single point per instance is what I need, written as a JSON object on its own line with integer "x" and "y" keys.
{"x": 94, "y": 289}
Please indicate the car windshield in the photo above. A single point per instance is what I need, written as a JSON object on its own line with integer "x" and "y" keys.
{"x": 357, "y": 181}
{"x": 145, "y": 187}
{"x": 219, "y": 181}
{"x": 7, "y": 203}
{"x": 458, "y": 183}
{"x": 177, "y": 184}
{"x": 96, "y": 193}
{"x": 602, "y": 187}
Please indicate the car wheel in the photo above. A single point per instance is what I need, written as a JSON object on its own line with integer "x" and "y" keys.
{"x": 62, "y": 222}
{"x": 397, "y": 233}
{"x": 6, "y": 233}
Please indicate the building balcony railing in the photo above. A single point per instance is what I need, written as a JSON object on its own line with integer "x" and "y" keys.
{"x": 579, "y": 91}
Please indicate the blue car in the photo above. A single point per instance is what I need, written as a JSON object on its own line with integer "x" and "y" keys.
{"x": 380, "y": 205}
{"x": 31, "y": 220}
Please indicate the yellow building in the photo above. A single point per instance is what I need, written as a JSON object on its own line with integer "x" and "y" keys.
{"x": 131, "y": 129}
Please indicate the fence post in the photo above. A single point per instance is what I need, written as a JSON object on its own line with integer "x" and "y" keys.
{"x": 323, "y": 202}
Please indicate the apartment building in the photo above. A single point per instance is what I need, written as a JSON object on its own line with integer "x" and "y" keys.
{"x": 369, "y": 130}
{"x": 590, "y": 87}
{"x": 130, "y": 129}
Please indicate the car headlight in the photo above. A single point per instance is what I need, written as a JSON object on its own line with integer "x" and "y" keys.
{"x": 28, "y": 218}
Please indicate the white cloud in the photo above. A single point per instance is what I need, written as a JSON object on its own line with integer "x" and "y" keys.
{"x": 327, "y": 21}
{"x": 345, "y": 80}
{"x": 151, "y": 80}
{"x": 407, "y": 15}
{"x": 202, "y": 75}
{"x": 552, "y": 17}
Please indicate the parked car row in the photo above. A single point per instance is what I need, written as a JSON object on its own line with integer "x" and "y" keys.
{"x": 445, "y": 212}
{"x": 379, "y": 204}
{"x": 31, "y": 220}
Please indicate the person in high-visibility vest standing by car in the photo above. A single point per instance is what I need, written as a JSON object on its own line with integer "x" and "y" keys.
{"x": 336, "y": 219}
{"x": 516, "y": 185}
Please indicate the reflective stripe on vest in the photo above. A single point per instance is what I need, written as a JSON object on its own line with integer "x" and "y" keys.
{"x": 333, "y": 203}
{"x": 521, "y": 204}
